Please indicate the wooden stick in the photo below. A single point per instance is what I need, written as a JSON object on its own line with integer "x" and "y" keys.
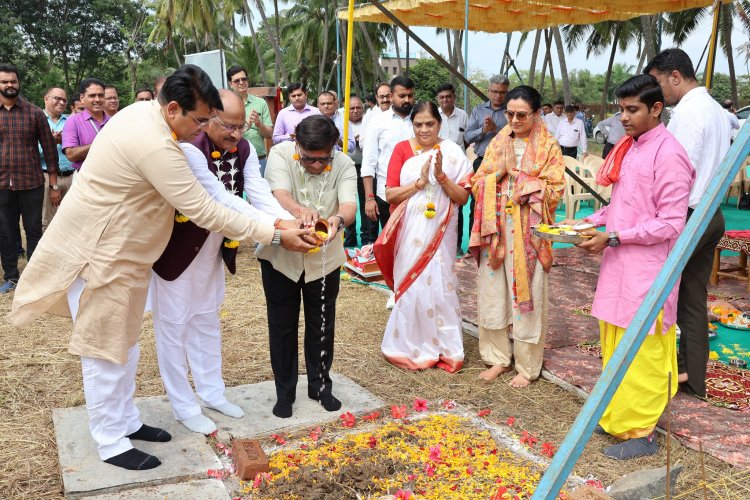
{"x": 669, "y": 431}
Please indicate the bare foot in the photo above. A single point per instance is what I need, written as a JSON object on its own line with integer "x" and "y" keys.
{"x": 493, "y": 372}
{"x": 682, "y": 378}
{"x": 519, "y": 381}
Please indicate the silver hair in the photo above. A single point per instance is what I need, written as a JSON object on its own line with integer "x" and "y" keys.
{"x": 499, "y": 80}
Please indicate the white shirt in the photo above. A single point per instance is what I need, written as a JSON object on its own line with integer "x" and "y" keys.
{"x": 734, "y": 123}
{"x": 551, "y": 120}
{"x": 369, "y": 117}
{"x": 453, "y": 127}
{"x": 571, "y": 134}
{"x": 701, "y": 126}
{"x": 383, "y": 133}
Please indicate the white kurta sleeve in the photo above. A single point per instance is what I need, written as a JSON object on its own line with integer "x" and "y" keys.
{"x": 216, "y": 189}
{"x": 258, "y": 190}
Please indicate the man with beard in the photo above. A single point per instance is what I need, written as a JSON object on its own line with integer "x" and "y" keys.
{"x": 23, "y": 126}
{"x": 187, "y": 287}
{"x": 55, "y": 100}
{"x": 328, "y": 106}
{"x": 382, "y": 135}
{"x": 81, "y": 129}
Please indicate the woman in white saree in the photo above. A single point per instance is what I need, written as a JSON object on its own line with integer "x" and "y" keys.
{"x": 428, "y": 178}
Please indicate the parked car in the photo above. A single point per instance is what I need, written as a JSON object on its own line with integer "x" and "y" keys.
{"x": 742, "y": 115}
{"x": 601, "y": 132}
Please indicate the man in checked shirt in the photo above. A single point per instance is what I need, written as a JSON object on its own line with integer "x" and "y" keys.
{"x": 22, "y": 127}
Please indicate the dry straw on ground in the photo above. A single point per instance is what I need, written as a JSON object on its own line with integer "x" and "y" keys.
{"x": 37, "y": 374}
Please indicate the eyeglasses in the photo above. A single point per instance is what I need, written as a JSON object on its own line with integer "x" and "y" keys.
{"x": 521, "y": 116}
{"x": 385, "y": 96}
{"x": 201, "y": 122}
{"x": 240, "y": 80}
{"x": 232, "y": 128}
{"x": 312, "y": 160}
{"x": 58, "y": 99}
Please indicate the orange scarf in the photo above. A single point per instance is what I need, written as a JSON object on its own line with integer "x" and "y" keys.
{"x": 609, "y": 173}
{"x": 538, "y": 180}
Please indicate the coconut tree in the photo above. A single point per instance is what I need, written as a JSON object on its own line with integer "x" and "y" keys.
{"x": 563, "y": 67}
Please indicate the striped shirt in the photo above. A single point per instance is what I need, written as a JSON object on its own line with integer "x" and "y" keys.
{"x": 22, "y": 128}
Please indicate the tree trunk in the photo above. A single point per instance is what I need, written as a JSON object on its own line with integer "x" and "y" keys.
{"x": 649, "y": 45}
{"x": 458, "y": 44}
{"x": 379, "y": 74}
{"x": 641, "y": 60}
{"x": 256, "y": 45}
{"x": 534, "y": 52}
{"x": 398, "y": 51}
{"x": 451, "y": 55}
{"x": 503, "y": 69}
{"x": 324, "y": 55}
{"x": 563, "y": 67}
{"x": 608, "y": 74}
{"x": 726, "y": 34}
{"x": 279, "y": 68}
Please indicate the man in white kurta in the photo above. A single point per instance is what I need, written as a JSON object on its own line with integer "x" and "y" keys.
{"x": 113, "y": 226}
{"x": 186, "y": 309}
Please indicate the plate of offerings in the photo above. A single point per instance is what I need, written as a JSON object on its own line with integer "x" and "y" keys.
{"x": 562, "y": 233}
{"x": 732, "y": 318}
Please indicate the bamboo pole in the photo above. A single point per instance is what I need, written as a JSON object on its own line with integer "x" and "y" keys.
{"x": 348, "y": 74}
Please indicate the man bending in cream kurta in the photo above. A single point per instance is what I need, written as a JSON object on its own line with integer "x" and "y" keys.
{"x": 114, "y": 224}
{"x": 187, "y": 287}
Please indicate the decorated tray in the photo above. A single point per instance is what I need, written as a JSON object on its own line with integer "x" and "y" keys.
{"x": 736, "y": 326}
{"x": 562, "y": 233}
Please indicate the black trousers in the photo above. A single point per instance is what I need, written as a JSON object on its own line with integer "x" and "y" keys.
{"x": 282, "y": 304}
{"x": 365, "y": 231}
{"x": 692, "y": 313}
{"x": 572, "y": 152}
{"x": 607, "y": 148}
{"x": 27, "y": 204}
{"x": 384, "y": 209}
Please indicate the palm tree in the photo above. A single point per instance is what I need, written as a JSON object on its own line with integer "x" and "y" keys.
{"x": 280, "y": 68}
{"x": 563, "y": 66}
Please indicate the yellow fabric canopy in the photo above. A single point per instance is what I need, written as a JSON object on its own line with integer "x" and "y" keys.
{"x": 495, "y": 16}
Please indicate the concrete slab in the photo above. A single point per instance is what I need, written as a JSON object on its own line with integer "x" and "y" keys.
{"x": 257, "y": 401}
{"x": 188, "y": 455}
{"x": 205, "y": 489}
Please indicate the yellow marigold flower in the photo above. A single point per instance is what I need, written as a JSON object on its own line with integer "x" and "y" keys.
{"x": 295, "y": 157}
{"x": 215, "y": 155}
{"x": 429, "y": 213}
{"x": 726, "y": 350}
{"x": 713, "y": 355}
{"x": 180, "y": 218}
{"x": 231, "y": 243}
{"x": 430, "y": 205}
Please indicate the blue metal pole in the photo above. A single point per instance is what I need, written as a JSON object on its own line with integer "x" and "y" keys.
{"x": 466, "y": 56}
{"x": 580, "y": 433}
{"x": 338, "y": 58}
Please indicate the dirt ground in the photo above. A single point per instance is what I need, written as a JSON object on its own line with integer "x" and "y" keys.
{"x": 37, "y": 374}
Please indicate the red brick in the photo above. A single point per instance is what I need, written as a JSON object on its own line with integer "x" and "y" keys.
{"x": 249, "y": 458}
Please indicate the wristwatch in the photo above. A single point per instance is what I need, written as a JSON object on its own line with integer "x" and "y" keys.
{"x": 276, "y": 237}
{"x": 613, "y": 240}
{"x": 54, "y": 187}
{"x": 341, "y": 222}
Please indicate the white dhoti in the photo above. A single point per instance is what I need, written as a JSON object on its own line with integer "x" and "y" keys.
{"x": 188, "y": 336}
{"x": 108, "y": 388}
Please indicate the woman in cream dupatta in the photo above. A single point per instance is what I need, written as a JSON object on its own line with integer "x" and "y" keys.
{"x": 516, "y": 187}
{"x": 428, "y": 179}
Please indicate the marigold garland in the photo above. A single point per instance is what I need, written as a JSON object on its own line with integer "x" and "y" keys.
{"x": 231, "y": 243}
{"x": 178, "y": 217}
{"x": 215, "y": 155}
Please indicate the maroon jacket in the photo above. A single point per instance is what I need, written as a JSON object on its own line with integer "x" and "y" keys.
{"x": 187, "y": 239}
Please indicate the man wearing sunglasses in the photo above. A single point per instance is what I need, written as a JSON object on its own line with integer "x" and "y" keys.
{"x": 112, "y": 228}
{"x": 188, "y": 335}
{"x": 257, "y": 114}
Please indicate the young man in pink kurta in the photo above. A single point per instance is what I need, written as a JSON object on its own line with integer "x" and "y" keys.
{"x": 651, "y": 176}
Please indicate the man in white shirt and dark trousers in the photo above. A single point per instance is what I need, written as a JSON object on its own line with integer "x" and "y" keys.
{"x": 453, "y": 127}
{"x": 383, "y": 133}
{"x": 701, "y": 126}
{"x": 571, "y": 134}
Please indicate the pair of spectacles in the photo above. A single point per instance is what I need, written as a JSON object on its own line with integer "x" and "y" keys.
{"x": 58, "y": 99}
{"x": 232, "y": 128}
{"x": 385, "y": 96}
{"x": 201, "y": 122}
{"x": 312, "y": 160}
{"x": 240, "y": 80}
{"x": 521, "y": 116}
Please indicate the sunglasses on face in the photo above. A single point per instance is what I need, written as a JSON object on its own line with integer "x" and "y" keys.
{"x": 521, "y": 116}
{"x": 312, "y": 160}
{"x": 240, "y": 80}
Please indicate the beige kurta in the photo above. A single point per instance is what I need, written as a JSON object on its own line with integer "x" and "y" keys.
{"x": 113, "y": 225}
